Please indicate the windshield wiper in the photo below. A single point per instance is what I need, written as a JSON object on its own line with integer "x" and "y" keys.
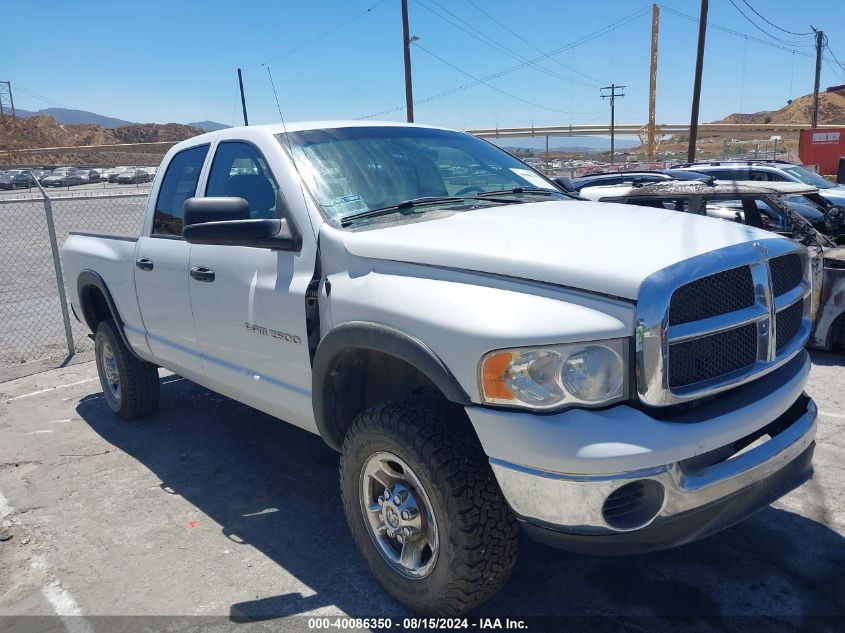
{"x": 537, "y": 191}
{"x": 401, "y": 207}
{"x": 407, "y": 205}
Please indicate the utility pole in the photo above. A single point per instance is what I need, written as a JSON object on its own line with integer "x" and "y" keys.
{"x": 814, "y": 122}
{"x": 243, "y": 98}
{"x": 406, "y": 45}
{"x": 7, "y": 113}
{"x": 652, "y": 86}
{"x": 696, "y": 89}
{"x": 612, "y": 96}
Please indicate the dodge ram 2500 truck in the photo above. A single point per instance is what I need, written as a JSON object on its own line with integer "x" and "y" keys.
{"x": 485, "y": 352}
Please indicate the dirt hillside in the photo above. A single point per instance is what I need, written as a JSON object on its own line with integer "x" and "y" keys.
{"x": 831, "y": 111}
{"x": 45, "y": 131}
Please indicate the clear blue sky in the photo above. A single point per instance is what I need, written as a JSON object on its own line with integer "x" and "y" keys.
{"x": 157, "y": 61}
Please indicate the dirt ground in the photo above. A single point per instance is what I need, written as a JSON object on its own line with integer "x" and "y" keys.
{"x": 212, "y": 509}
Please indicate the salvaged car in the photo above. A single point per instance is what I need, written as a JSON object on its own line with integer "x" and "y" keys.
{"x": 764, "y": 207}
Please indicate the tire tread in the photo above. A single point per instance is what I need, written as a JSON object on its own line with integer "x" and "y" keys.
{"x": 441, "y": 438}
{"x": 139, "y": 384}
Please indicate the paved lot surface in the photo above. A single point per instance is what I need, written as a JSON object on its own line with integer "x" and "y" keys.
{"x": 210, "y": 508}
{"x": 32, "y": 335}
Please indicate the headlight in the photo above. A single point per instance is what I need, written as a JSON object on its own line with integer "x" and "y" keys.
{"x": 593, "y": 373}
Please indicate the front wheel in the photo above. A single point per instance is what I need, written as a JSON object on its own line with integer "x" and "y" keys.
{"x": 130, "y": 385}
{"x": 424, "y": 507}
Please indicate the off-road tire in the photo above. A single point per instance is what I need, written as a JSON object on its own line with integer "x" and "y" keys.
{"x": 478, "y": 535}
{"x": 139, "y": 386}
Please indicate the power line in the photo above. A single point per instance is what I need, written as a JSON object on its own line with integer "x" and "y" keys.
{"x": 579, "y": 42}
{"x": 760, "y": 28}
{"x": 829, "y": 50}
{"x": 762, "y": 17}
{"x": 532, "y": 45}
{"x": 834, "y": 71}
{"x": 489, "y": 85}
{"x": 323, "y": 35}
{"x": 35, "y": 95}
{"x": 492, "y": 43}
{"x": 739, "y": 33}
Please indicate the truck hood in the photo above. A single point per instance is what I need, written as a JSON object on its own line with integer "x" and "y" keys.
{"x": 593, "y": 246}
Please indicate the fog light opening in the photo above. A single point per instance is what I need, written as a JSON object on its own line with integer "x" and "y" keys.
{"x": 633, "y": 505}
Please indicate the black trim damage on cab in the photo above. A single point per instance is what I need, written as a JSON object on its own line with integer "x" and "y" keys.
{"x": 339, "y": 357}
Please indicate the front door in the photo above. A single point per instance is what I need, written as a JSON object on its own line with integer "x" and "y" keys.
{"x": 161, "y": 269}
{"x": 249, "y": 303}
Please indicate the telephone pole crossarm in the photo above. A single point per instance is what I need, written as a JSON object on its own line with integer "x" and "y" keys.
{"x": 615, "y": 92}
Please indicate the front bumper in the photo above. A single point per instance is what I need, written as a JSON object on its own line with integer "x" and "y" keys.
{"x": 705, "y": 487}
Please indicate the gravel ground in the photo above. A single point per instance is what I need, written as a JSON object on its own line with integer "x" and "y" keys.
{"x": 210, "y": 508}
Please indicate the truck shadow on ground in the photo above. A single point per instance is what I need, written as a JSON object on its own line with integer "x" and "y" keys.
{"x": 232, "y": 463}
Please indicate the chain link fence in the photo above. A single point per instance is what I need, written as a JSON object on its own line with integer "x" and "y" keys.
{"x": 33, "y": 331}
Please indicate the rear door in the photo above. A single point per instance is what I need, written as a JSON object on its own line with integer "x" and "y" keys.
{"x": 249, "y": 303}
{"x": 161, "y": 268}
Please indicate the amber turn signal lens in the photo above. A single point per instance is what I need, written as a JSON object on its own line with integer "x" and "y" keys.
{"x": 493, "y": 376}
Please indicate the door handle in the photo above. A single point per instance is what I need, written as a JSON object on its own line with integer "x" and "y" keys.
{"x": 201, "y": 273}
{"x": 144, "y": 263}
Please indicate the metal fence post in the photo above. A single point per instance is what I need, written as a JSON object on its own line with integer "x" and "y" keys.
{"x": 57, "y": 264}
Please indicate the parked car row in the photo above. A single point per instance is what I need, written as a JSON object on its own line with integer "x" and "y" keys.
{"x": 70, "y": 176}
{"x": 817, "y": 200}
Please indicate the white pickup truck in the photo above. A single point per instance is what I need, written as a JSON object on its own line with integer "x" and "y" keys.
{"x": 485, "y": 351}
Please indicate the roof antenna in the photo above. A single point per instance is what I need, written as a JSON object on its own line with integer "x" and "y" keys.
{"x": 292, "y": 157}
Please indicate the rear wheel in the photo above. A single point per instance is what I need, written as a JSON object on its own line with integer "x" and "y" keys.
{"x": 130, "y": 385}
{"x": 424, "y": 507}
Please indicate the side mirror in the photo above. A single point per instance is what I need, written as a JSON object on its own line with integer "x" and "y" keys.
{"x": 564, "y": 183}
{"x": 226, "y": 222}
{"x": 201, "y": 210}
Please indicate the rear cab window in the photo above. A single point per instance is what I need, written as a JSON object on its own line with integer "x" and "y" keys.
{"x": 179, "y": 184}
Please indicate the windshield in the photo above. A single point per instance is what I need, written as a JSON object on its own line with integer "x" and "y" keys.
{"x": 356, "y": 169}
{"x": 808, "y": 177}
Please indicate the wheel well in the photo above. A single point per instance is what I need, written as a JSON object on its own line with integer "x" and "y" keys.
{"x": 95, "y": 306}
{"x": 836, "y": 335}
{"x": 361, "y": 378}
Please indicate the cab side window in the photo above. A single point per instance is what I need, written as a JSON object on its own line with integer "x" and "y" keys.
{"x": 239, "y": 170}
{"x": 179, "y": 184}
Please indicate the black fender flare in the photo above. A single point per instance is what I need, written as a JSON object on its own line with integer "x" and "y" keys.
{"x": 91, "y": 279}
{"x": 365, "y": 335}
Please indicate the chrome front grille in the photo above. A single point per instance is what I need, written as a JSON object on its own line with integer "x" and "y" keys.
{"x": 786, "y": 272}
{"x": 727, "y": 291}
{"x": 708, "y": 357}
{"x": 745, "y": 311}
{"x": 787, "y": 324}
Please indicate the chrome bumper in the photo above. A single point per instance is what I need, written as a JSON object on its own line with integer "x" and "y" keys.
{"x": 575, "y": 504}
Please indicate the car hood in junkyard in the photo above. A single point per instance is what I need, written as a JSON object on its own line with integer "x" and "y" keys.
{"x": 606, "y": 248}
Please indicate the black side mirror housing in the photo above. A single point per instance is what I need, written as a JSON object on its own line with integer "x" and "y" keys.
{"x": 227, "y": 222}
{"x": 201, "y": 210}
{"x": 565, "y": 183}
